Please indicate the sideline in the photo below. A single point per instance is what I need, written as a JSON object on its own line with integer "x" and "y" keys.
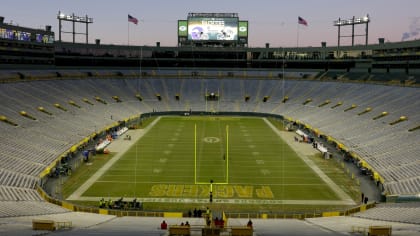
{"x": 337, "y": 190}
{"x": 121, "y": 149}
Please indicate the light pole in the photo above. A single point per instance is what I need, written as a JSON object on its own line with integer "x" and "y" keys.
{"x": 73, "y": 19}
{"x": 352, "y": 22}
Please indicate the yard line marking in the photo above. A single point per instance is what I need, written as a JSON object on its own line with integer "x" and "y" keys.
{"x": 183, "y": 183}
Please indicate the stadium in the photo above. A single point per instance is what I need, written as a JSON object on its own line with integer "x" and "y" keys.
{"x": 115, "y": 139}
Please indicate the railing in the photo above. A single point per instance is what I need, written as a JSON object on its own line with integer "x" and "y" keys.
{"x": 285, "y": 215}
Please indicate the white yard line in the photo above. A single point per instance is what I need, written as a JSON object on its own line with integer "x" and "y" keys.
{"x": 178, "y": 183}
{"x": 119, "y": 146}
{"x": 337, "y": 190}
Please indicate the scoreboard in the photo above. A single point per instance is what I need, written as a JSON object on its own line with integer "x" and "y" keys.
{"x": 201, "y": 28}
{"x": 212, "y": 29}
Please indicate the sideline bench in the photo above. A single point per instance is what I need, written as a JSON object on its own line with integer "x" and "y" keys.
{"x": 373, "y": 230}
{"x": 242, "y": 231}
{"x": 43, "y": 225}
{"x": 63, "y": 224}
{"x": 380, "y": 230}
{"x": 179, "y": 230}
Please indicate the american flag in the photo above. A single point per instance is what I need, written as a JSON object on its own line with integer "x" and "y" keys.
{"x": 133, "y": 19}
{"x": 302, "y": 21}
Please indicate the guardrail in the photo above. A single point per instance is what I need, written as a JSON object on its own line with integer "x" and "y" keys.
{"x": 120, "y": 213}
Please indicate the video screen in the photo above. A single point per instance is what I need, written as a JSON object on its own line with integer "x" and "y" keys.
{"x": 243, "y": 28}
{"x": 182, "y": 28}
{"x": 201, "y": 28}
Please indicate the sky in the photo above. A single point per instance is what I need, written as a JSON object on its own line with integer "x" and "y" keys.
{"x": 270, "y": 21}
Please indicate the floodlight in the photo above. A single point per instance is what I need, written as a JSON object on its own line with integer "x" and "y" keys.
{"x": 353, "y": 21}
{"x": 79, "y": 19}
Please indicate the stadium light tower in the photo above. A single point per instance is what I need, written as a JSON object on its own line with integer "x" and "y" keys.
{"x": 353, "y": 21}
{"x": 74, "y": 19}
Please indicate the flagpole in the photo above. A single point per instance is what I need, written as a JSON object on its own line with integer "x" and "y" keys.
{"x": 128, "y": 33}
{"x": 297, "y": 38}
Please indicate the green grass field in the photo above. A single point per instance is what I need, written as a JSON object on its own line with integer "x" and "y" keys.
{"x": 247, "y": 161}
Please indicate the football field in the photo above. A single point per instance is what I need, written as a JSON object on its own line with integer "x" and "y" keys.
{"x": 238, "y": 159}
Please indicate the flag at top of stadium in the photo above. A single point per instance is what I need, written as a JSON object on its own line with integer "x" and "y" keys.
{"x": 302, "y": 21}
{"x": 132, "y": 19}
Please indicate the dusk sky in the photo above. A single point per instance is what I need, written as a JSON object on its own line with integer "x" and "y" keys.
{"x": 270, "y": 21}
